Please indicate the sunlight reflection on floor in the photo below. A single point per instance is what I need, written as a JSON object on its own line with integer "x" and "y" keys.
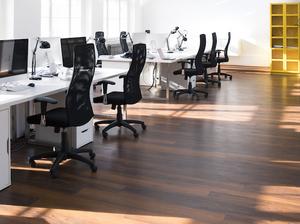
{"x": 291, "y": 118}
{"x": 54, "y": 216}
{"x": 230, "y": 113}
{"x": 285, "y": 197}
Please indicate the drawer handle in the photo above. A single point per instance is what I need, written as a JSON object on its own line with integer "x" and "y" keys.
{"x": 84, "y": 131}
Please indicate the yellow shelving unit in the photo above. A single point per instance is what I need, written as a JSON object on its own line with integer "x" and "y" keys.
{"x": 285, "y": 38}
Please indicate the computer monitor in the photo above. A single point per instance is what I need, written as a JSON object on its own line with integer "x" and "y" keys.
{"x": 13, "y": 57}
{"x": 67, "y": 49}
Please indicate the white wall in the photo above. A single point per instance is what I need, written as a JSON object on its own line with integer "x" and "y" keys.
{"x": 6, "y": 19}
{"x": 27, "y": 18}
{"x": 248, "y": 21}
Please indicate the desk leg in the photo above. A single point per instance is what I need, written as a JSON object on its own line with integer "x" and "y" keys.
{"x": 168, "y": 88}
{"x": 168, "y": 84}
{"x": 27, "y": 126}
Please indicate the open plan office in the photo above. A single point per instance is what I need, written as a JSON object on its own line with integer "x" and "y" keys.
{"x": 149, "y": 111}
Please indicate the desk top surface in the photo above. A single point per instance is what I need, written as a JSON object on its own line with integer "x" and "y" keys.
{"x": 176, "y": 56}
{"x": 49, "y": 86}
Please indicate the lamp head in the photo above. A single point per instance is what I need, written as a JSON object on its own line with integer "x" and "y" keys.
{"x": 45, "y": 45}
{"x": 175, "y": 30}
{"x": 124, "y": 35}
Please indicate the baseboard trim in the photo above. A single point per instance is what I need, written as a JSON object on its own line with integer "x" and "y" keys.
{"x": 244, "y": 68}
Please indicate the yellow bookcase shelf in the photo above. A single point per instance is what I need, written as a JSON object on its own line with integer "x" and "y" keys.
{"x": 285, "y": 38}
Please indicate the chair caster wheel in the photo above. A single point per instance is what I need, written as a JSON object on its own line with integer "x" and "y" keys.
{"x": 92, "y": 155}
{"x": 136, "y": 135}
{"x": 32, "y": 163}
{"x": 105, "y": 135}
{"x": 230, "y": 78}
{"x": 94, "y": 168}
{"x": 97, "y": 128}
{"x": 53, "y": 174}
{"x": 144, "y": 127}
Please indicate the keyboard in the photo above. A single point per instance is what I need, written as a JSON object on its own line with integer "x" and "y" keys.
{"x": 17, "y": 88}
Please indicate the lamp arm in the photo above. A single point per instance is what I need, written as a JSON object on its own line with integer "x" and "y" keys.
{"x": 128, "y": 34}
{"x": 168, "y": 43}
{"x": 33, "y": 64}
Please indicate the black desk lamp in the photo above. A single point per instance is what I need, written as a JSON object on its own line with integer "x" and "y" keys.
{"x": 125, "y": 35}
{"x": 171, "y": 33}
{"x": 43, "y": 45}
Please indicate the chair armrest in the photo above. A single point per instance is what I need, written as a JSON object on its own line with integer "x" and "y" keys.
{"x": 105, "y": 84}
{"x": 219, "y": 52}
{"x": 122, "y": 76}
{"x": 44, "y": 101}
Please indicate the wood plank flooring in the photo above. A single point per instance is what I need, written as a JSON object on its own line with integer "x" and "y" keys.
{"x": 233, "y": 158}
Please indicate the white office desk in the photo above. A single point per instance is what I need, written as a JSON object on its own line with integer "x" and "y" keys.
{"x": 49, "y": 86}
{"x": 44, "y": 87}
{"x": 117, "y": 61}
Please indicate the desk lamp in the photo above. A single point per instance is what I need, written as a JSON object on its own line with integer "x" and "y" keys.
{"x": 43, "y": 45}
{"x": 171, "y": 33}
{"x": 181, "y": 38}
{"x": 125, "y": 35}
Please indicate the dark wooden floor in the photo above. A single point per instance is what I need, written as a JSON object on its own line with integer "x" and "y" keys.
{"x": 232, "y": 158}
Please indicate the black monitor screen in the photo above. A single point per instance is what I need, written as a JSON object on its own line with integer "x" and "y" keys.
{"x": 67, "y": 48}
{"x": 13, "y": 57}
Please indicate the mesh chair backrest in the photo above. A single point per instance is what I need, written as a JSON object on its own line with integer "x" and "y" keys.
{"x": 227, "y": 46}
{"x": 132, "y": 81}
{"x": 78, "y": 103}
{"x": 212, "y": 56}
{"x": 100, "y": 43}
{"x": 199, "y": 56}
{"x": 123, "y": 42}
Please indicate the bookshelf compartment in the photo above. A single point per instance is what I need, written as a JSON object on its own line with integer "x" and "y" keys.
{"x": 277, "y": 54}
{"x": 277, "y": 65}
{"x": 277, "y": 9}
{"x": 292, "y": 20}
{"x": 292, "y": 54}
{"x": 277, "y": 42}
{"x": 292, "y": 66}
{"x": 292, "y": 32}
{"x": 277, "y": 20}
{"x": 292, "y": 43}
{"x": 277, "y": 31}
{"x": 292, "y": 9}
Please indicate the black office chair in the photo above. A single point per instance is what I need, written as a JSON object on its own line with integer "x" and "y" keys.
{"x": 100, "y": 43}
{"x": 131, "y": 94}
{"x": 210, "y": 61}
{"x": 222, "y": 57}
{"x": 123, "y": 42}
{"x": 190, "y": 72}
{"x": 77, "y": 111}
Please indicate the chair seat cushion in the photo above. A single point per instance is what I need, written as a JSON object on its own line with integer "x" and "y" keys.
{"x": 188, "y": 72}
{"x": 115, "y": 98}
{"x": 54, "y": 118}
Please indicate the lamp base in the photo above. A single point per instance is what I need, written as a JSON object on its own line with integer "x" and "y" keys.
{"x": 35, "y": 78}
